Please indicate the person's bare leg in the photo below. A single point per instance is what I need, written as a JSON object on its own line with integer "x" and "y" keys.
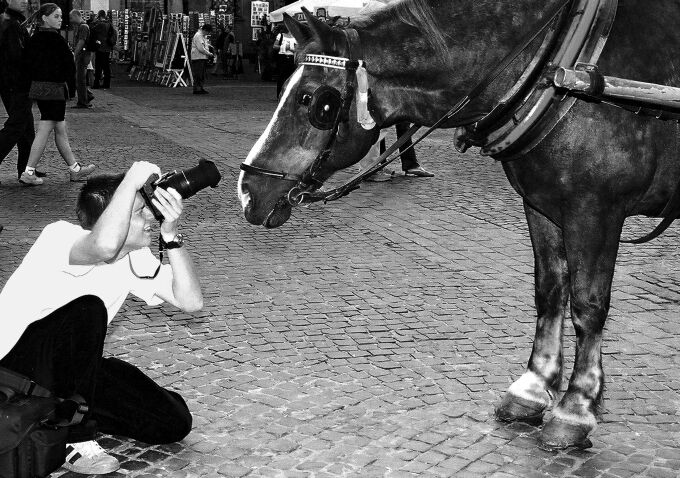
{"x": 28, "y": 177}
{"x": 77, "y": 171}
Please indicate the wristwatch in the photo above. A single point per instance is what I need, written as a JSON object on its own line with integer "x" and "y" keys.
{"x": 176, "y": 243}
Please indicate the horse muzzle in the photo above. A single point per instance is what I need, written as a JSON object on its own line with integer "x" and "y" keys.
{"x": 269, "y": 212}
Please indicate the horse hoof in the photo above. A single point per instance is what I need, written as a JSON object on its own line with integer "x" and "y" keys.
{"x": 517, "y": 409}
{"x": 560, "y": 435}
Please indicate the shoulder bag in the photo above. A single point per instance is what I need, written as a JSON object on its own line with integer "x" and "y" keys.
{"x": 33, "y": 425}
{"x": 48, "y": 91}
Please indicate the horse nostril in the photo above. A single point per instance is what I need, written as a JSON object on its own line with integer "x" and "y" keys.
{"x": 244, "y": 194}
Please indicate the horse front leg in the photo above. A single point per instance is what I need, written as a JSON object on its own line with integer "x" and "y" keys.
{"x": 529, "y": 396}
{"x": 591, "y": 235}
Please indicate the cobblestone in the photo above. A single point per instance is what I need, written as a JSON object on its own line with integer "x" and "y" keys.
{"x": 368, "y": 337}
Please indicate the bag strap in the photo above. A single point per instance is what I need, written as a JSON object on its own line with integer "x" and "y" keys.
{"x": 70, "y": 411}
{"x": 21, "y": 384}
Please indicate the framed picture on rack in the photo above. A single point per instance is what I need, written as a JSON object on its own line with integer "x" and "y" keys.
{"x": 161, "y": 53}
{"x": 256, "y": 33}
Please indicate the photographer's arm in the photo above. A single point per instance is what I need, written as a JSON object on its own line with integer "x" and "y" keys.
{"x": 110, "y": 231}
{"x": 186, "y": 289}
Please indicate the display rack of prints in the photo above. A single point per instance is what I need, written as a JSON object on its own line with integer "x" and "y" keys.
{"x": 258, "y": 10}
{"x": 160, "y": 52}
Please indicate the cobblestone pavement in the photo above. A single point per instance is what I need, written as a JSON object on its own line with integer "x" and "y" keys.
{"x": 369, "y": 337}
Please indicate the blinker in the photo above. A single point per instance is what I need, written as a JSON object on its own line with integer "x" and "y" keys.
{"x": 324, "y": 106}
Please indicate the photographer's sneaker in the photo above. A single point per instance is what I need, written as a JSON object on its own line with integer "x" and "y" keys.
{"x": 88, "y": 458}
{"x": 82, "y": 173}
{"x": 28, "y": 179}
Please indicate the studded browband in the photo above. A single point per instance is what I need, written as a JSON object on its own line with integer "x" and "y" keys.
{"x": 336, "y": 62}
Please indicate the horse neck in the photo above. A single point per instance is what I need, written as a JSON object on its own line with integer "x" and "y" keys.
{"x": 412, "y": 81}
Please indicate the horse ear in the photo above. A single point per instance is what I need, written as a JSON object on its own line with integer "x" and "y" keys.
{"x": 300, "y": 31}
{"x": 320, "y": 29}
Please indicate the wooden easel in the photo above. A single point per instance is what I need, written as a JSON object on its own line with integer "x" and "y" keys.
{"x": 176, "y": 58}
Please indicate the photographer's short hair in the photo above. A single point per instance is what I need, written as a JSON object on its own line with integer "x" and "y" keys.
{"x": 95, "y": 196}
{"x": 207, "y": 27}
{"x": 76, "y": 13}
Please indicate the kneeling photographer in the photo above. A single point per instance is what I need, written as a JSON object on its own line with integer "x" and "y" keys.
{"x": 56, "y": 306}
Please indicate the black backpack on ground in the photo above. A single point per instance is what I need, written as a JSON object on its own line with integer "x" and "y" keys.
{"x": 33, "y": 423}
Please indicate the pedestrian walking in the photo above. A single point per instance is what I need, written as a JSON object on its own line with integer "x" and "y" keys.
{"x": 18, "y": 128}
{"x": 284, "y": 47}
{"x": 50, "y": 67}
{"x": 83, "y": 274}
{"x": 200, "y": 52}
{"x": 83, "y": 57}
{"x": 106, "y": 36}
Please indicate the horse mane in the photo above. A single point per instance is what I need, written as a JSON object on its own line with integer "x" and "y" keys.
{"x": 415, "y": 13}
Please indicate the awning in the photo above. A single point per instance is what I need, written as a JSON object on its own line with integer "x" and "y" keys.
{"x": 332, "y": 8}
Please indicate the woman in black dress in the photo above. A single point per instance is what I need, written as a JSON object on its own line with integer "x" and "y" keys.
{"x": 50, "y": 70}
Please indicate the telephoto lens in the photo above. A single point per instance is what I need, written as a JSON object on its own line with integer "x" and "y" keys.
{"x": 187, "y": 182}
{"x": 190, "y": 181}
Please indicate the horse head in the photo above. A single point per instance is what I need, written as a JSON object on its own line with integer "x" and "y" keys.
{"x": 316, "y": 115}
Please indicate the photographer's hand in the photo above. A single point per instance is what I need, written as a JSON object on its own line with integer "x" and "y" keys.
{"x": 169, "y": 204}
{"x": 186, "y": 289}
{"x": 138, "y": 173}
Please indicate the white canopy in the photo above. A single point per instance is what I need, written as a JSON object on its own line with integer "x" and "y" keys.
{"x": 341, "y": 8}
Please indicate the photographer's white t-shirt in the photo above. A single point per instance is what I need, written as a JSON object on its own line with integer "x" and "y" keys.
{"x": 45, "y": 281}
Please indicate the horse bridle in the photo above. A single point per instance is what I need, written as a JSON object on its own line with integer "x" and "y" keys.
{"x": 308, "y": 182}
{"x": 326, "y": 109}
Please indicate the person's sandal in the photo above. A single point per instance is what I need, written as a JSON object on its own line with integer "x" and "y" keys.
{"x": 418, "y": 172}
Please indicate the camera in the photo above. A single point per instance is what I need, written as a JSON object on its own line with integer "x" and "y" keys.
{"x": 187, "y": 183}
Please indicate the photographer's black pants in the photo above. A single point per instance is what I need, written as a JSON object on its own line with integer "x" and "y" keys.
{"x": 63, "y": 353}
